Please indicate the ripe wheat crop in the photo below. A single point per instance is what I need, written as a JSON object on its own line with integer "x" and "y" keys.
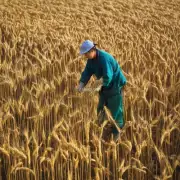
{"x": 50, "y": 131}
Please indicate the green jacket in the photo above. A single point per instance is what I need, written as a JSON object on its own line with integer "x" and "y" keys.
{"x": 106, "y": 67}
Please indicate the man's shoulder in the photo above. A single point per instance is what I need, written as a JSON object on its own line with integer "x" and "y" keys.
{"x": 103, "y": 55}
{"x": 103, "y": 52}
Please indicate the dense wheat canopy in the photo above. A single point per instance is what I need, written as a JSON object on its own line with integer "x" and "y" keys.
{"x": 50, "y": 131}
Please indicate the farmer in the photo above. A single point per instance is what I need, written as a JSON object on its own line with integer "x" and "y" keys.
{"x": 103, "y": 65}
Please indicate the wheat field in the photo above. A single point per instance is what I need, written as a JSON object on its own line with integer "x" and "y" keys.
{"x": 49, "y": 131}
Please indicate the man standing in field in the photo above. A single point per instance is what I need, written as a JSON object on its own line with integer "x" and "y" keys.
{"x": 103, "y": 65}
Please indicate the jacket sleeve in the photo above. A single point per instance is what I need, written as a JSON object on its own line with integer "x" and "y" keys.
{"x": 107, "y": 71}
{"x": 86, "y": 74}
{"x": 123, "y": 80}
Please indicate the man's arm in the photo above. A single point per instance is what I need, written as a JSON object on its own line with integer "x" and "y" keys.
{"x": 85, "y": 76}
{"x": 107, "y": 72}
{"x": 123, "y": 80}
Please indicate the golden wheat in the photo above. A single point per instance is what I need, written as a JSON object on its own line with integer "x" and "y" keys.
{"x": 50, "y": 131}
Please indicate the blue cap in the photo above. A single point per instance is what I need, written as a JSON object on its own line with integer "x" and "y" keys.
{"x": 86, "y": 46}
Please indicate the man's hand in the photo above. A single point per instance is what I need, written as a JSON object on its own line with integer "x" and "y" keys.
{"x": 122, "y": 90}
{"x": 80, "y": 87}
